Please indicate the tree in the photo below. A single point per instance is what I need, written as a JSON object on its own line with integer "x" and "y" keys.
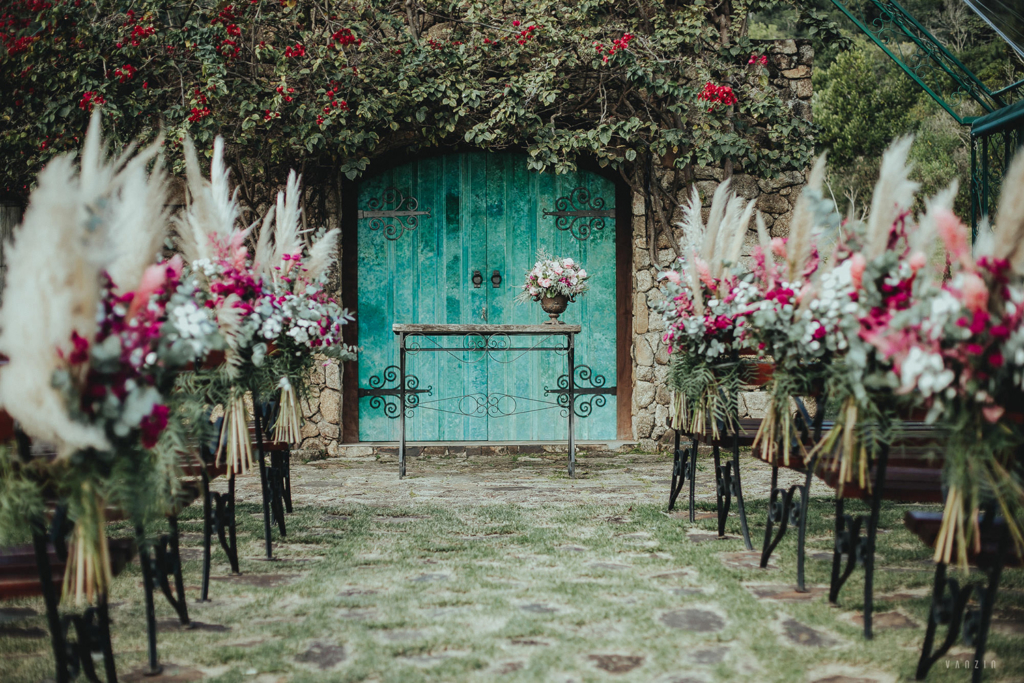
{"x": 861, "y": 104}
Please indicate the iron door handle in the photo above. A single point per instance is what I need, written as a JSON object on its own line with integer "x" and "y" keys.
{"x": 496, "y": 279}
{"x": 478, "y": 279}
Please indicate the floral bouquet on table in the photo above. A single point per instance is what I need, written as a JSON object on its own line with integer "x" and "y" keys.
{"x": 554, "y": 283}
{"x": 880, "y": 257}
{"x": 84, "y": 324}
{"x": 796, "y": 318}
{"x": 959, "y": 351}
{"x": 709, "y": 295}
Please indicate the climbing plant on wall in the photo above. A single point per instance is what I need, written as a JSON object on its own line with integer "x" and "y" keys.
{"x": 329, "y": 85}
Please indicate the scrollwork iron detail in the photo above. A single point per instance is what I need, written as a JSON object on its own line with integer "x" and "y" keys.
{"x": 579, "y": 215}
{"x": 586, "y": 398}
{"x": 402, "y": 216}
{"x": 381, "y": 395}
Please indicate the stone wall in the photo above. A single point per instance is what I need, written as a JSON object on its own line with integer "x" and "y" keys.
{"x": 789, "y": 64}
{"x": 321, "y": 431}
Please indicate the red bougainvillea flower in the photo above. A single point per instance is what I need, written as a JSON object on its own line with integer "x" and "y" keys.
{"x": 199, "y": 114}
{"x": 125, "y": 73}
{"x": 717, "y": 94}
{"x": 90, "y": 99}
{"x": 296, "y": 50}
{"x": 344, "y": 37}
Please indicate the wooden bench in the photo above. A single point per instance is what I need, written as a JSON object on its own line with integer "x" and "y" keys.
{"x": 950, "y": 599}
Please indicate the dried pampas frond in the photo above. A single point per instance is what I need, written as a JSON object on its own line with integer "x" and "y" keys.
{"x": 1008, "y": 238}
{"x": 764, "y": 240}
{"x": 287, "y": 241}
{"x": 322, "y": 254}
{"x": 718, "y": 204}
{"x": 212, "y": 209}
{"x": 926, "y": 238}
{"x": 894, "y": 195}
{"x": 802, "y": 228}
{"x": 693, "y": 226}
{"x": 264, "y": 254}
{"x": 739, "y": 231}
{"x": 54, "y": 284}
{"x": 140, "y": 220}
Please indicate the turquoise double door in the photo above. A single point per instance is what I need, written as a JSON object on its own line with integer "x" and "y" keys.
{"x": 448, "y": 240}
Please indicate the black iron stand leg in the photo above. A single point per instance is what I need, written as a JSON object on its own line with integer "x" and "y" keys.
{"x": 805, "y": 504}
{"x": 572, "y": 405}
{"x": 768, "y": 546}
{"x": 401, "y": 405}
{"x": 869, "y": 554}
{"x": 147, "y": 581}
{"x": 103, "y": 625}
{"x": 837, "y": 554}
{"x": 925, "y": 663}
{"x": 275, "y": 478}
{"x": 737, "y": 490}
{"x": 287, "y": 457}
{"x": 677, "y": 473}
{"x": 50, "y": 600}
{"x": 987, "y": 602}
{"x": 204, "y": 594}
{"x": 693, "y": 479}
{"x": 721, "y": 492}
{"x": 264, "y": 484}
{"x": 232, "y": 528}
{"x": 179, "y": 580}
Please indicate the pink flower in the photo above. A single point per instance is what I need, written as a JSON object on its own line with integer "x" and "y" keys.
{"x": 917, "y": 261}
{"x": 153, "y": 279}
{"x": 857, "y": 265}
{"x": 673, "y": 277}
{"x": 779, "y": 246}
{"x": 705, "y": 273}
{"x": 993, "y": 413}
{"x": 954, "y": 234}
{"x": 545, "y": 282}
{"x": 974, "y": 292}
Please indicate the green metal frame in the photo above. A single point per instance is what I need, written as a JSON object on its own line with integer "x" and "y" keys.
{"x": 924, "y": 59}
{"x": 995, "y": 138}
{"x": 949, "y": 82}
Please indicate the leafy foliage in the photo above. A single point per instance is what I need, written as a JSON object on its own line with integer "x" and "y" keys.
{"x": 336, "y": 84}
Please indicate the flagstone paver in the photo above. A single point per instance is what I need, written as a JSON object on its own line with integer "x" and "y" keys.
{"x": 502, "y": 568}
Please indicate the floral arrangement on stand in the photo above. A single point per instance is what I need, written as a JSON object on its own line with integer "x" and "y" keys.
{"x": 795, "y": 321}
{"x": 91, "y": 363}
{"x": 884, "y": 256}
{"x": 270, "y": 307}
{"x": 709, "y": 295}
{"x": 957, "y": 350}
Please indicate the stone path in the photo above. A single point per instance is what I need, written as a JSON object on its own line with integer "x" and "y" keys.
{"x": 500, "y": 568}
